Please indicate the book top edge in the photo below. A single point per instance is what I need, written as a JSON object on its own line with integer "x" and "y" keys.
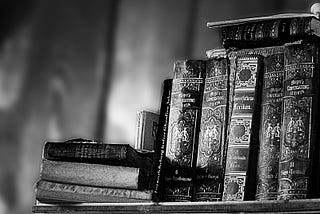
{"x": 257, "y": 19}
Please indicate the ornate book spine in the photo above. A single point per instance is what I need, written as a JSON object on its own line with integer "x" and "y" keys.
{"x": 270, "y": 128}
{"x": 161, "y": 139}
{"x": 183, "y": 129}
{"x": 299, "y": 143}
{"x": 239, "y": 180}
{"x": 211, "y": 147}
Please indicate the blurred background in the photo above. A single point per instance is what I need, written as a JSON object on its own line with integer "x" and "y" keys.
{"x": 80, "y": 68}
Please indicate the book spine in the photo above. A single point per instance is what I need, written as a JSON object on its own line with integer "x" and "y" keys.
{"x": 52, "y": 191}
{"x": 61, "y": 151}
{"x": 299, "y": 143}
{"x": 93, "y": 174}
{"x": 161, "y": 139}
{"x": 183, "y": 129}
{"x": 270, "y": 128}
{"x": 139, "y": 130}
{"x": 239, "y": 180}
{"x": 211, "y": 158}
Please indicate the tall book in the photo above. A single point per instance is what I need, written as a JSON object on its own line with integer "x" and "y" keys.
{"x": 99, "y": 153}
{"x": 211, "y": 146}
{"x": 270, "y": 125}
{"x": 298, "y": 176}
{"x": 161, "y": 139}
{"x": 240, "y": 172}
{"x": 183, "y": 129}
{"x": 94, "y": 174}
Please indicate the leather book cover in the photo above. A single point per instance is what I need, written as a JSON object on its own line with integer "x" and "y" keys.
{"x": 183, "y": 129}
{"x": 211, "y": 145}
{"x": 161, "y": 139}
{"x": 240, "y": 171}
{"x": 270, "y": 127}
{"x": 298, "y": 173}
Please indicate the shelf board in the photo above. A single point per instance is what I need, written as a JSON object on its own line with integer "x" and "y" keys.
{"x": 294, "y": 206}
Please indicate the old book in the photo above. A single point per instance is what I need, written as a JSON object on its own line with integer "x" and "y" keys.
{"x": 183, "y": 129}
{"x": 240, "y": 172}
{"x": 270, "y": 125}
{"x": 82, "y": 151}
{"x": 211, "y": 145}
{"x": 146, "y": 130}
{"x": 298, "y": 174}
{"x": 161, "y": 139}
{"x": 54, "y": 192}
{"x": 94, "y": 174}
{"x": 267, "y": 31}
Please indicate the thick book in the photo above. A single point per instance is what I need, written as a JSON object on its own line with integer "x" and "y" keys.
{"x": 267, "y": 31}
{"x": 161, "y": 139}
{"x": 57, "y": 193}
{"x": 94, "y": 174}
{"x": 299, "y": 151}
{"x": 183, "y": 129}
{"x": 270, "y": 124}
{"x": 211, "y": 145}
{"x": 240, "y": 171}
{"x": 99, "y": 153}
{"x": 146, "y": 130}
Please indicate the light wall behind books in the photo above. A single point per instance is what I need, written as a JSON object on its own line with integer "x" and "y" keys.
{"x": 83, "y": 68}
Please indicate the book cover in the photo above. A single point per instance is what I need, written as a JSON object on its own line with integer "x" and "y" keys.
{"x": 146, "y": 130}
{"x": 99, "y": 153}
{"x": 55, "y": 192}
{"x": 240, "y": 172}
{"x": 211, "y": 148}
{"x": 270, "y": 127}
{"x": 298, "y": 173}
{"x": 183, "y": 129}
{"x": 94, "y": 174}
{"x": 161, "y": 139}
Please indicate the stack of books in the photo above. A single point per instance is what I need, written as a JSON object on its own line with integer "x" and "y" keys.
{"x": 82, "y": 171}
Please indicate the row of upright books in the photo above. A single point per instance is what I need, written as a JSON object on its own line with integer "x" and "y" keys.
{"x": 240, "y": 125}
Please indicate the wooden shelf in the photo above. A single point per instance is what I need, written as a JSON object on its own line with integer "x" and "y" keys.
{"x": 294, "y": 206}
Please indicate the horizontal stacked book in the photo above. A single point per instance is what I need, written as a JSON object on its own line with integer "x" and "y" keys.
{"x": 79, "y": 171}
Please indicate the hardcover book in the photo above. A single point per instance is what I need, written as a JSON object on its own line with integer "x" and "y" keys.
{"x": 99, "y": 153}
{"x": 183, "y": 129}
{"x": 57, "y": 193}
{"x": 146, "y": 130}
{"x": 240, "y": 172}
{"x": 211, "y": 148}
{"x": 298, "y": 176}
{"x": 161, "y": 139}
{"x": 94, "y": 174}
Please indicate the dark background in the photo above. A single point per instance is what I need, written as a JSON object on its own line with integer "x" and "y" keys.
{"x": 80, "y": 68}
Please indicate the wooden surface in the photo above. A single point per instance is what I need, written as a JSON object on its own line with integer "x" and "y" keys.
{"x": 297, "y": 206}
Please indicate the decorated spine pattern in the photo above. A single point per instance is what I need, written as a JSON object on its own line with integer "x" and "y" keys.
{"x": 210, "y": 158}
{"x": 183, "y": 129}
{"x": 270, "y": 128}
{"x": 298, "y": 144}
{"x": 239, "y": 176}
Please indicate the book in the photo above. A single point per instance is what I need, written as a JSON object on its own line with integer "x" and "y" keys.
{"x": 77, "y": 150}
{"x": 299, "y": 148}
{"x": 211, "y": 145}
{"x": 94, "y": 174}
{"x": 183, "y": 129}
{"x": 270, "y": 125}
{"x": 161, "y": 139}
{"x": 57, "y": 193}
{"x": 146, "y": 130}
{"x": 240, "y": 171}
{"x": 267, "y": 31}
